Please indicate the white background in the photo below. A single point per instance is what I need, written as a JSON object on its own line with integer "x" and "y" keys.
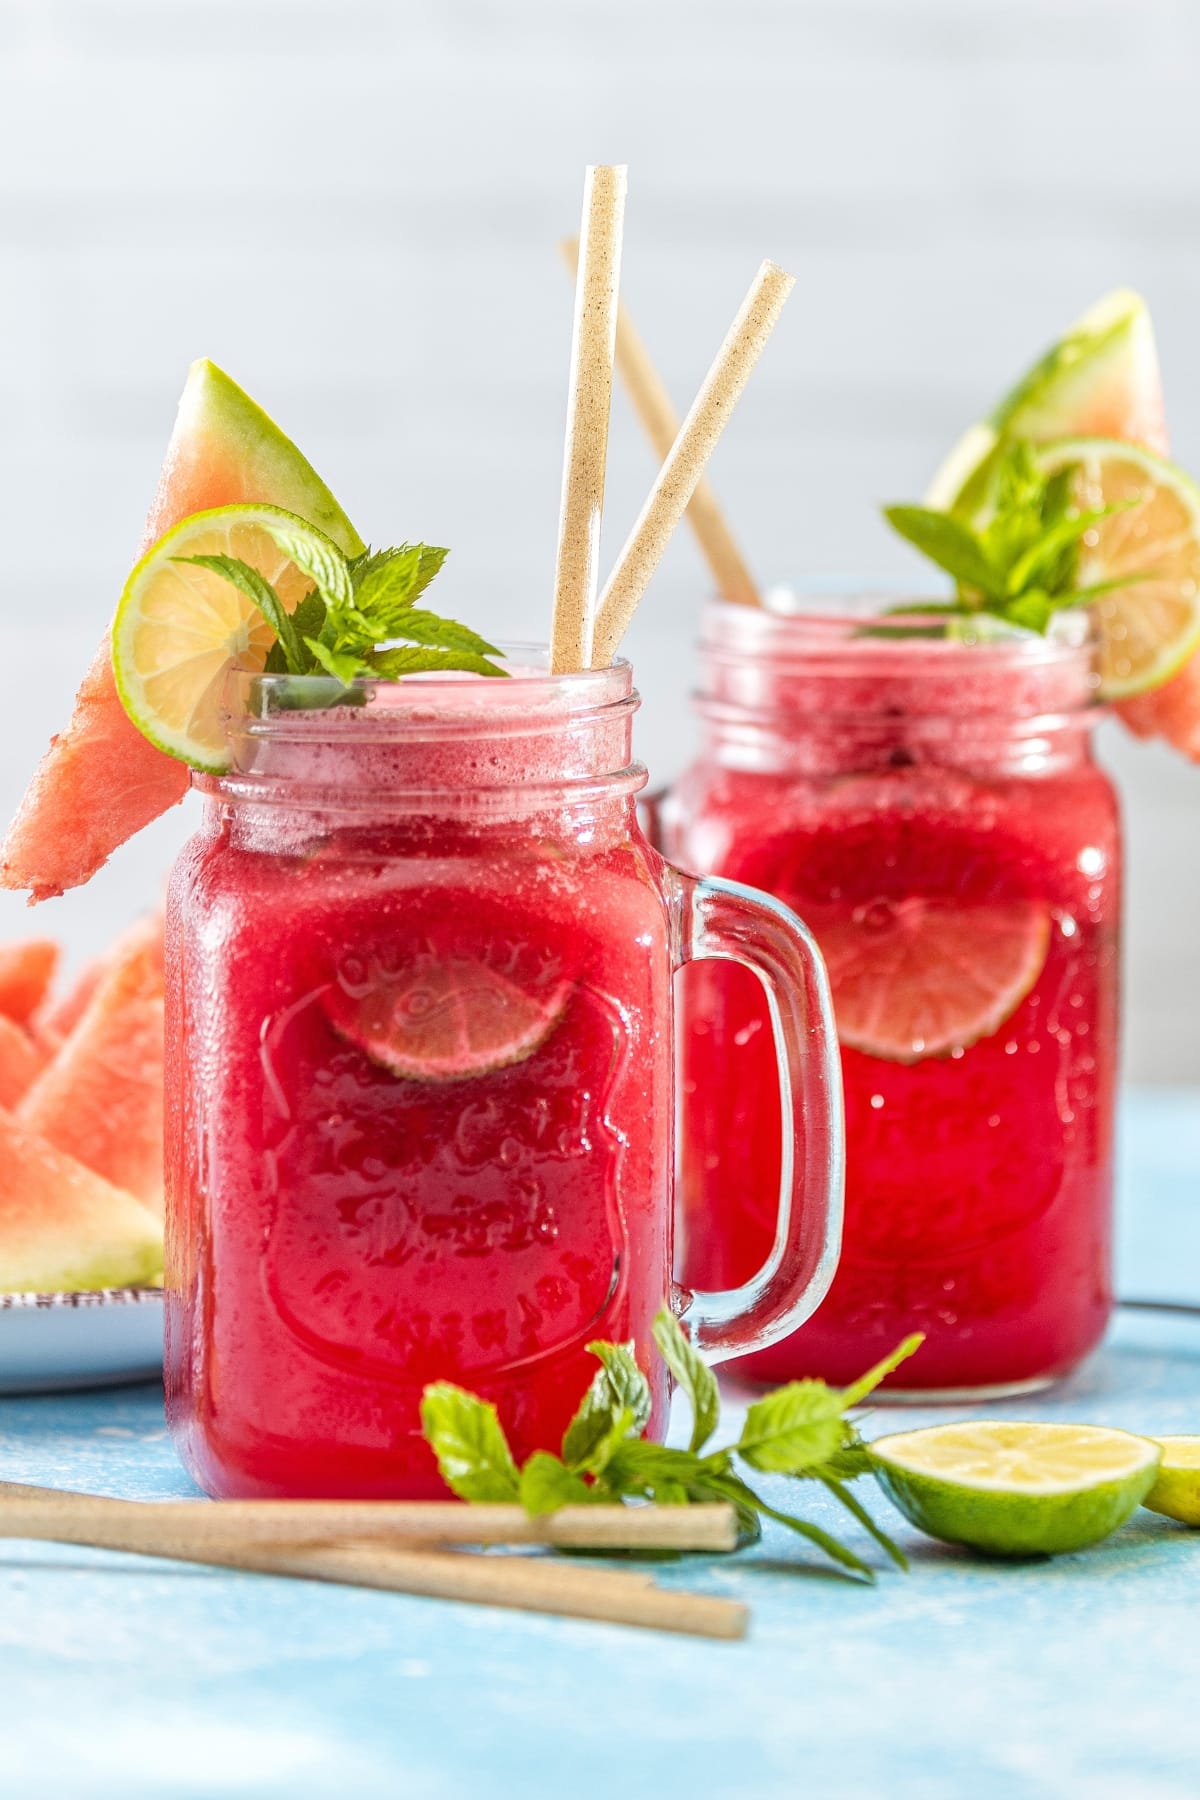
{"x": 353, "y": 206}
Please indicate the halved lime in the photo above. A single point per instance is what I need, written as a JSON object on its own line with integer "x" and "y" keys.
{"x": 1149, "y": 628}
{"x": 1016, "y": 1489}
{"x": 920, "y": 977}
{"x": 1100, "y": 380}
{"x": 445, "y": 1018}
{"x": 180, "y": 629}
{"x": 1176, "y": 1491}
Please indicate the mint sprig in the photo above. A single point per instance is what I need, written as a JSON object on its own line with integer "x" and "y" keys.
{"x": 1023, "y": 564}
{"x": 360, "y": 617}
{"x": 801, "y": 1430}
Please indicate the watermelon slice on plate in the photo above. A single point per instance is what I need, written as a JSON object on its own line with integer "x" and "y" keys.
{"x": 63, "y": 1226}
{"x": 100, "y": 1099}
{"x": 22, "y": 1058}
{"x": 26, "y": 971}
{"x": 101, "y": 780}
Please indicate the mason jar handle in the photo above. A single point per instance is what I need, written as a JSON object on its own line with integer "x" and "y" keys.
{"x": 723, "y": 919}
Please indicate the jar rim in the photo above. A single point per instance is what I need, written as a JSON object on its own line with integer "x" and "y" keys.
{"x": 863, "y": 627}
{"x": 459, "y": 702}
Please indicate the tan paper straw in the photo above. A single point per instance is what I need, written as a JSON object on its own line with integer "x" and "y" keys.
{"x": 589, "y": 399}
{"x": 620, "y": 1596}
{"x": 698, "y": 435}
{"x": 652, "y": 404}
{"x": 183, "y": 1527}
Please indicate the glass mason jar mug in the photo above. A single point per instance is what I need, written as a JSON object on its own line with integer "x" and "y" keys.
{"x": 931, "y": 808}
{"x": 420, "y": 1086}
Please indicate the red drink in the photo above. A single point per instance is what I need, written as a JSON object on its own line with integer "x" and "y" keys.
{"x": 931, "y": 810}
{"x": 421, "y": 963}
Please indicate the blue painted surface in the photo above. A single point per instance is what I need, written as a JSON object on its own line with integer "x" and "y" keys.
{"x": 126, "y": 1678}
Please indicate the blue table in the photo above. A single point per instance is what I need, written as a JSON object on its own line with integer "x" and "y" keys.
{"x": 125, "y": 1678}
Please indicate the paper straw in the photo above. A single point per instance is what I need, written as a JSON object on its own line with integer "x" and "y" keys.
{"x": 589, "y": 397}
{"x": 652, "y": 404}
{"x": 684, "y": 465}
{"x": 184, "y": 1527}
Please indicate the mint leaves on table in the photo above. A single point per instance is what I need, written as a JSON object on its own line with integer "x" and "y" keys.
{"x": 360, "y": 617}
{"x": 1021, "y": 565}
{"x": 801, "y": 1430}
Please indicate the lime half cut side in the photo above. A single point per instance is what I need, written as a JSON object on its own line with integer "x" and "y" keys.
{"x": 1176, "y": 1491}
{"x": 1016, "y": 1489}
{"x": 1149, "y": 621}
{"x": 180, "y": 629}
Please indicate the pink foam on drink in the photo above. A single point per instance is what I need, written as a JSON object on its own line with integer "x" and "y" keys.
{"x": 444, "y": 733}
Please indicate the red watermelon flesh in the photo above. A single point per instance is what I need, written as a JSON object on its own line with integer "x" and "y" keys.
{"x": 101, "y": 1097}
{"x": 21, "y": 1061}
{"x": 26, "y": 971}
{"x": 60, "y": 1013}
{"x": 101, "y": 780}
{"x": 1171, "y": 711}
{"x": 62, "y": 1226}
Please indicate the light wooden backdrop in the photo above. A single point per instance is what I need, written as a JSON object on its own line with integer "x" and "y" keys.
{"x": 353, "y": 206}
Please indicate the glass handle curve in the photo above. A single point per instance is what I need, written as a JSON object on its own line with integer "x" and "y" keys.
{"x": 725, "y": 920}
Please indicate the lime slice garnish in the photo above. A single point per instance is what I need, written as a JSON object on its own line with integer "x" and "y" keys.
{"x": 919, "y": 977}
{"x": 1176, "y": 1491}
{"x": 180, "y": 629}
{"x": 444, "y": 1018}
{"x": 1016, "y": 1489}
{"x": 1100, "y": 380}
{"x": 1149, "y": 628}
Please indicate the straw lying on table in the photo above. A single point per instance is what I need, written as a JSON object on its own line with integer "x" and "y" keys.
{"x": 660, "y": 421}
{"x": 684, "y": 465}
{"x": 386, "y": 1544}
{"x": 589, "y": 398}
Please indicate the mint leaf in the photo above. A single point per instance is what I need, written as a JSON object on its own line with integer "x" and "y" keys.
{"x": 693, "y": 1375}
{"x": 446, "y": 634}
{"x": 319, "y": 559}
{"x": 605, "y": 1447}
{"x": 388, "y": 581}
{"x": 866, "y": 1384}
{"x": 795, "y": 1428}
{"x": 617, "y": 1387}
{"x": 343, "y": 665}
{"x": 469, "y": 1442}
{"x": 800, "y": 1430}
{"x": 1038, "y": 563}
{"x": 816, "y": 1534}
{"x": 948, "y": 542}
{"x": 855, "y": 1506}
{"x": 848, "y": 1463}
{"x": 630, "y": 1387}
{"x": 309, "y": 617}
{"x": 1033, "y": 610}
{"x": 547, "y": 1484}
{"x": 1023, "y": 565}
{"x": 257, "y": 588}
{"x": 406, "y": 660}
{"x": 652, "y": 1472}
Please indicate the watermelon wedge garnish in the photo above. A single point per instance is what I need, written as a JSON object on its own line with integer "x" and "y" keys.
{"x": 1101, "y": 379}
{"x": 445, "y": 1019}
{"x": 101, "y": 780}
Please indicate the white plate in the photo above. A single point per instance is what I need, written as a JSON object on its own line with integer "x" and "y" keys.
{"x": 80, "y": 1340}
